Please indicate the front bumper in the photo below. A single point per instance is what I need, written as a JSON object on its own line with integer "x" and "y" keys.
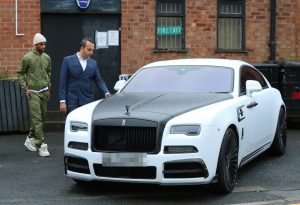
{"x": 194, "y": 167}
{"x": 160, "y": 169}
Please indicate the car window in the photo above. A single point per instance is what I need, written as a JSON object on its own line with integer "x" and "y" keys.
{"x": 182, "y": 79}
{"x": 248, "y": 73}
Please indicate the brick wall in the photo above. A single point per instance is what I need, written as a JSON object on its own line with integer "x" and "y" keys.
{"x": 138, "y": 30}
{"x": 298, "y": 30}
{"x": 137, "y": 33}
{"x": 287, "y": 36}
{"x": 12, "y": 47}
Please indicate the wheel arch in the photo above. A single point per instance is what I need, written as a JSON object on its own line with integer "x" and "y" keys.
{"x": 282, "y": 107}
{"x": 235, "y": 129}
{"x": 278, "y": 146}
{"x": 225, "y": 184}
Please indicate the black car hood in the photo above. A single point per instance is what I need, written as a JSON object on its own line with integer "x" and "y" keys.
{"x": 153, "y": 106}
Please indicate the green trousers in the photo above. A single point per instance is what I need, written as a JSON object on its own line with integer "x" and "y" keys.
{"x": 37, "y": 114}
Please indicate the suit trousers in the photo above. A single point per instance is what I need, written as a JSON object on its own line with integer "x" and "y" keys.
{"x": 37, "y": 114}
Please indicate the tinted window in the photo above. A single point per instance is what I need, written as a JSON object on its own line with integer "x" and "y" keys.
{"x": 248, "y": 73}
{"x": 182, "y": 79}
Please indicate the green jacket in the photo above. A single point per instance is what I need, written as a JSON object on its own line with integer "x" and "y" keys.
{"x": 35, "y": 71}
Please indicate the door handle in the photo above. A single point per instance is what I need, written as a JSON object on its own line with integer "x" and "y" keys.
{"x": 252, "y": 104}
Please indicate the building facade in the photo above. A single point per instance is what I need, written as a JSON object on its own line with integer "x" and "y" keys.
{"x": 131, "y": 33}
{"x": 201, "y": 18}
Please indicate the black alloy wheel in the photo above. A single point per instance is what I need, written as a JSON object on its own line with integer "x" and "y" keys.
{"x": 228, "y": 162}
{"x": 279, "y": 143}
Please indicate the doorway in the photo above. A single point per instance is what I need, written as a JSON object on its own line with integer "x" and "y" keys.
{"x": 64, "y": 33}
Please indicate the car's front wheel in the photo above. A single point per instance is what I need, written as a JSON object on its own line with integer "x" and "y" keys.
{"x": 279, "y": 143}
{"x": 228, "y": 162}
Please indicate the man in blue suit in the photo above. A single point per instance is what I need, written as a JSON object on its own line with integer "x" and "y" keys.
{"x": 77, "y": 73}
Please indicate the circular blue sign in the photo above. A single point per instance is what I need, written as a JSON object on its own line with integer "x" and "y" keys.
{"x": 83, "y": 4}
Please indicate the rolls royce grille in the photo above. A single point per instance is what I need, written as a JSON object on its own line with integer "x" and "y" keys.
{"x": 124, "y": 139}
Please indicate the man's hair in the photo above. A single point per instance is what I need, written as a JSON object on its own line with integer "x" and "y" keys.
{"x": 84, "y": 41}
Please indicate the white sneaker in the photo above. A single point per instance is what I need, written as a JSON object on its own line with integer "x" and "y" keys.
{"x": 43, "y": 150}
{"x": 30, "y": 145}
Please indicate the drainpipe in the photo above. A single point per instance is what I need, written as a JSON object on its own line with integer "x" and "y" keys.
{"x": 272, "y": 43}
{"x": 16, "y": 12}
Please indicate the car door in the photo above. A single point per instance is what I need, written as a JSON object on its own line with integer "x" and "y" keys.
{"x": 258, "y": 110}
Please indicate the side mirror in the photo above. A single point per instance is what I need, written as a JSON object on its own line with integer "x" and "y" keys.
{"x": 252, "y": 86}
{"x": 119, "y": 85}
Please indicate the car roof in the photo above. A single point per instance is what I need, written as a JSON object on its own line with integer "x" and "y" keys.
{"x": 200, "y": 61}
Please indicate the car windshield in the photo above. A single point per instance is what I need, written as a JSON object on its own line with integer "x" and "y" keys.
{"x": 182, "y": 79}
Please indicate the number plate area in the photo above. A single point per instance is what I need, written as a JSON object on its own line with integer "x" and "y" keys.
{"x": 124, "y": 159}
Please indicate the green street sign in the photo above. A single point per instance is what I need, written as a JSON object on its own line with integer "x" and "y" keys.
{"x": 168, "y": 30}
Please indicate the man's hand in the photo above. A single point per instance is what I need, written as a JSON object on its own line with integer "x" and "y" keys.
{"x": 107, "y": 95}
{"x": 28, "y": 93}
{"x": 63, "y": 107}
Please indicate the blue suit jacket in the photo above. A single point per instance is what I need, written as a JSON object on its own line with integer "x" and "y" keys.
{"x": 76, "y": 85}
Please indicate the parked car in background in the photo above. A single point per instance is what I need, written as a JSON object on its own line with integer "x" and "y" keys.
{"x": 177, "y": 122}
{"x": 285, "y": 76}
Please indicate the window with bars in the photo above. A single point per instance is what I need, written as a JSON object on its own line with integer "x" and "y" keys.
{"x": 231, "y": 27}
{"x": 170, "y": 25}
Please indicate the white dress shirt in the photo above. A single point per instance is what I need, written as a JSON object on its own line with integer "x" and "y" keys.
{"x": 83, "y": 62}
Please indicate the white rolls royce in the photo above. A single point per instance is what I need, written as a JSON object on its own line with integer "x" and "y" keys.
{"x": 177, "y": 122}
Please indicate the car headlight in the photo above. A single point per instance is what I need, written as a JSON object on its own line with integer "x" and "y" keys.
{"x": 78, "y": 126}
{"x": 185, "y": 129}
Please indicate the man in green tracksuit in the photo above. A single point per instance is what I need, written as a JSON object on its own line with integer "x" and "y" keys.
{"x": 34, "y": 77}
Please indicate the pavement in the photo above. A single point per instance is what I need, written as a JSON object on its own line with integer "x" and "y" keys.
{"x": 25, "y": 174}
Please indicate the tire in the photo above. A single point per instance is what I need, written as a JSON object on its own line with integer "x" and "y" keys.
{"x": 278, "y": 146}
{"x": 228, "y": 162}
